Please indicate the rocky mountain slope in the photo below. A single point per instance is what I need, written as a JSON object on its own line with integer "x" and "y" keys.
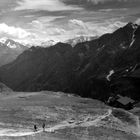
{"x": 97, "y": 68}
{"x": 9, "y": 50}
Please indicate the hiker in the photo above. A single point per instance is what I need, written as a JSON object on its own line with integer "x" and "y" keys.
{"x": 35, "y": 128}
{"x": 43, "y": 126}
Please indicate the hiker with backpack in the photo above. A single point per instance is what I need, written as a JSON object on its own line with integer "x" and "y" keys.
{"x": 43, "y": 126}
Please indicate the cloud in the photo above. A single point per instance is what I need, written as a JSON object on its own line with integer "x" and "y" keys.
{"x": 37, "y": 37}
{"x": 98, "y": 1}
{"x": 94, "y": 29}
{"x": 116, "y": 25}
{"x": 138, "y": 21}
{"x": 112, "y": 10}
{"x": 94, "y": 2}
{"x": 78, "y": 23}
{"x": 108, "y": 27}
{"x": 103, "y": 1}
{"x": 48, "y": 5}
{"x": 45, "y": 25}
{"x": 76, "y": 27}
{"x": 13, "y": 31}
{"x": 37, "y": 24}
{"x": 41, "y": 22}
{"x": 97, "y": 27}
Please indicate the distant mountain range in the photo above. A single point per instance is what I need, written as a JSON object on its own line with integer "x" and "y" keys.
{"x": 98, "y": 68}
{"x": 72, "y": 41}
{"x": 9, "y": 50}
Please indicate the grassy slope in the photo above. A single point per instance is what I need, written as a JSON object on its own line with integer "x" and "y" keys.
{"x": 20, "y": 111}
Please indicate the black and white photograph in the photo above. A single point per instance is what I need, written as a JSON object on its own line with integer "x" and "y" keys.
{"x": 69, "y": 69}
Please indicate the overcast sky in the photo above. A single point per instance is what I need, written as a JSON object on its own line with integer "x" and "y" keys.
{"x": 40, "y": 20}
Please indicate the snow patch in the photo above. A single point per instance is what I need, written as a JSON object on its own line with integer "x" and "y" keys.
{"x": 11, "y": 46}
{"x": 3, "y": 40}
{"x": 133, "y": 40}
{"x": 110, "y": 74}
{"x": 100, "y": 49}
{"x": 133, "y": 68}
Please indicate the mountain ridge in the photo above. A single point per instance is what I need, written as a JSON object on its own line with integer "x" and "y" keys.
{"x": 82, "y": 69}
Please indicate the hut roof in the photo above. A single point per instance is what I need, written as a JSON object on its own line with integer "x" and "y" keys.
{"x": 125, "y": 100}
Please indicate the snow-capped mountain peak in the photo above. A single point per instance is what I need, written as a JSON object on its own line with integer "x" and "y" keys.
{"x": 48, "y": 43}
{"x": 9, "y": 50}
{"x": 12, "y": 46}
{"x": 3, "y": 40}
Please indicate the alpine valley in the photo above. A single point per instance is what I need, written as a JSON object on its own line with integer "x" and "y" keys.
{"x": 95, "y": 68}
